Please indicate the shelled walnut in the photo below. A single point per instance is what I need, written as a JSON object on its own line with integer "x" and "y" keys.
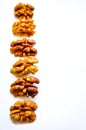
{"x": 23, "y": 111}
{"x": 24, "y": 66}
{"x": 24, "y": 27}
{"x": 24, "y": 86}
{"x": 23, "y": 47}
{"x": 23, "y": 10}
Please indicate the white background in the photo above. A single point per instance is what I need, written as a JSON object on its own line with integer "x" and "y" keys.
{"x": 61, "y": 43}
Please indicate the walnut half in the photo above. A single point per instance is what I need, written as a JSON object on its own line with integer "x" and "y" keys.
{"x": 24, "y": 27}
{"x": 23, "y": 111}
{"x": 25, "y": 86}
{"x": 24, "y": 66}
{"x": 23, "y": 47}
{"x": 23, "y": 10}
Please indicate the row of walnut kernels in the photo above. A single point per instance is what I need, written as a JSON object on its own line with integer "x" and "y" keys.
{"x": 24, "y": 110}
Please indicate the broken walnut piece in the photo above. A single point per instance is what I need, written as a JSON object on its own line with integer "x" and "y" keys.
{"x": 23, "y": 111}
{"x": 25, "y": 86}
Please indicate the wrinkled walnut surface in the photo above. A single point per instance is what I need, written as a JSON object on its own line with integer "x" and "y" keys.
{"x": 24, "y": 66}
{"x": 24, "y": 27}
{"x": 24, "y": 86}
{"x": 23, "y": 111}
{"x": 23, "y": 10}
{"x": 23, "y": 47}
